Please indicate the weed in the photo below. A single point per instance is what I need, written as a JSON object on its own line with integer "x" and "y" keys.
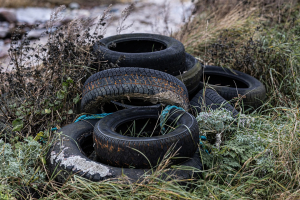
{"x": 46, "y": 94}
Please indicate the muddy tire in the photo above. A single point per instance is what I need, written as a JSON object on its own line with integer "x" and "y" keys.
{"x": 192, "y": 76}
{"x": 71, "y": 154}
{"x": 138, "y": 86}
{"x": 125, "y": 151}
{"x": 210, "y": 99}
{"x": 144, "y": 50}
{"x": 232, "y": 84}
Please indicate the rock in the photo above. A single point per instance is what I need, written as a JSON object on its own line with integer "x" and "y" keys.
{"x": 4, "y": 49}
{"x": 4, "y": 30}
{"x": 74, "y": 5}
{"x": 114, "y": 10}
{"x": 35, "y": 34}
{"x": 8, "y": 16}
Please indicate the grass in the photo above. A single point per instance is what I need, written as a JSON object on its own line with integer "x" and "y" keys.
{"x": 256, "y": 161}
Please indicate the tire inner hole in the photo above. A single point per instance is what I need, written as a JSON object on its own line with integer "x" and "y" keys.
{"x": 137, "y": 46}
{"x": 86, "y": 144}
{"x": 145, "y": 127}
{"x": 223, "y": 81}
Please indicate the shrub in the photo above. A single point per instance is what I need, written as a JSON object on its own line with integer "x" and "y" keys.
{"x": 44, "y": 87}
{"x": 19, "y": 161}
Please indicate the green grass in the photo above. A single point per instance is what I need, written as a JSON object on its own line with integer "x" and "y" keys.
{"x": 257, "y": 161}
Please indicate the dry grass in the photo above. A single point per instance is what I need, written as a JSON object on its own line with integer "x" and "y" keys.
{"x": 212, "y": 17}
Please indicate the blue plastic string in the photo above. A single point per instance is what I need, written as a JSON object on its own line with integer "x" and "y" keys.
{"x": 164, "y": 114}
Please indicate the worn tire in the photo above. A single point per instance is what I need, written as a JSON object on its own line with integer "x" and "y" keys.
{"x": 122, "y": 105}
{"x": 125, "y": 151}
{"x": 209, "y": 98}
{"x": 147, "y": 86}
{"x": 192, "y": 76}
{"x": 248, "y": 87}
{"x": 138, "y": 51}
{"x": 66, "y": 157}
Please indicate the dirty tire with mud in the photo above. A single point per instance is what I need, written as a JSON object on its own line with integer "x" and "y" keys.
{"x": 210, "y": 99}
{"x": 70, "y": 155}
{"x": 144, "y": 50}
{"x": 144, "y": 152}
{"x": 232, "y": 84}
{"x": 135, "y": 85}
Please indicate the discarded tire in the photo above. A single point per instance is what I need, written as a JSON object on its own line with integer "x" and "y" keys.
{"x": 137, "y": 86}
{"x": 144, "y": 152}
{"x": 67, "y": 156}
{"x": 142, "y": 50}
{"x": 191, "y": 78}
{"x": 209, "y": 98}
{"x": 122, "y": 105}
{"x": 232, "y": 84}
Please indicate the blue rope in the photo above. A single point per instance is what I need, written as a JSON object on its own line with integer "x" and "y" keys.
{"x": 164, "y": 114}
{"x": 94, "y": 116}
{"x": 202, "y": 137}
{"x": 86, "y": 117}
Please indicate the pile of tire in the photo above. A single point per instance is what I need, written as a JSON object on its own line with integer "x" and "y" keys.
{"x": 148, "y": 73}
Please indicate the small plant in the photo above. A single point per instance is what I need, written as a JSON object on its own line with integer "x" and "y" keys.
{"x": 19, "y": 161}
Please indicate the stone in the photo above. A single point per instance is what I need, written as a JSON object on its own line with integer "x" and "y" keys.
{"x": 35, "y": 34}
{"x": 4, "y": 49}
{"x": 8, "y": 16}
{"x": 74, "y": 6}
{"x": 4, "y": 30}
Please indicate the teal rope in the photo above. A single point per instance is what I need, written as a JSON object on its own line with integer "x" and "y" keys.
{"x": 94, "y": 116}
{"x": 164, "y": 114}
{"x": 86, "y": 117}
{"x": 202, "y": 137}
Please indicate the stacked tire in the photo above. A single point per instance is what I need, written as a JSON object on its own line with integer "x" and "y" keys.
{"x": 149, "y": 72}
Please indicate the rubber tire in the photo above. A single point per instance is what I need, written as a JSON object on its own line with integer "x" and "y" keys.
{"x": 124, "y": 151}
{"x": 210, "y": 99}
{"x": 135, "y": 83}
{"x": 133, "y": 106}
{"x": 192, "y": 76}
{"x": 81, "y": 132}
{"x": 170, "y": 60}
{"x": 254, "y": 93}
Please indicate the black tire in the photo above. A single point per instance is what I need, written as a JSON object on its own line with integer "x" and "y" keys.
{"x": 240, "y": 84}
{"x": 70, "y": 148}
{"x": 139, "y": 86}
{"x": 122, "y": 105}
{"x": 125, "y": 151}
{"x": 192, "y": 76}
{"x": 138, "y": 51}
{"x": 210, "y": 99}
